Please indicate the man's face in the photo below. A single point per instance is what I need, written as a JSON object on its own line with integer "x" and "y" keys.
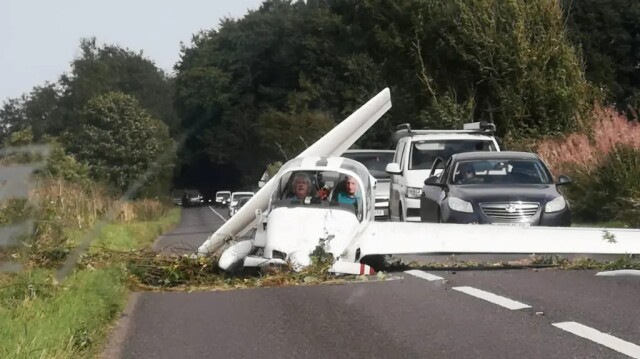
{"x": 300, "y": 187}
{"x": 352, "y": 186}
{"x": 468, "y": 173}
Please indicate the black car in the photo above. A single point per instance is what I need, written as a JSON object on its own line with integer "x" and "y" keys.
{"x": 505, "y": 187}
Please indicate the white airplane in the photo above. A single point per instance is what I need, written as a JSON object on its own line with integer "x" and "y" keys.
{"x": 289, "y": 229}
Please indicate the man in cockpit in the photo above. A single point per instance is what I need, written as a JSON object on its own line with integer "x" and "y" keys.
{"x": 350, "y": 194}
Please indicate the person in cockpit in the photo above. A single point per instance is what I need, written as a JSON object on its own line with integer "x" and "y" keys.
{"x": 300, "y": 187}
{"x": 349, "y": 193}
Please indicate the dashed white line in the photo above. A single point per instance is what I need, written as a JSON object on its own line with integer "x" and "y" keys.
{"x": 493, "y": 298}
{"x": 601, "y": 338}
{"x": 424, "y": 275}
{"x": 217, "y": 214}
{"x": 620, "y": 273}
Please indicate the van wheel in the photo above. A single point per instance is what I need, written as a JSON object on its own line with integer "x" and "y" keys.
{"x": 400, "y": 213}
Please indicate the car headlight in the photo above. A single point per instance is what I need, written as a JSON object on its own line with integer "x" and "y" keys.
{"x": 460, "y": 205}
{"x": 413, "y": 192}
{"x": 557, "y": 204}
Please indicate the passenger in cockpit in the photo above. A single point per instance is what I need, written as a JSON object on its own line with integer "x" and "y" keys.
{"x": 349, "y": 192}
{"x": 300, "y": 187}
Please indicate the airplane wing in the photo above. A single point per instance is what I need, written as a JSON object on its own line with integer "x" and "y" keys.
{"x": 334, "y": 143}
{"x": 435, "y": 238}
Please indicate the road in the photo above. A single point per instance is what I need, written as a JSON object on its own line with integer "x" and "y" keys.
{"x": 466, "y": 314}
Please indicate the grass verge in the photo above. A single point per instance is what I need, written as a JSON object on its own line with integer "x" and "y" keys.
{"x": 40, "y": 320}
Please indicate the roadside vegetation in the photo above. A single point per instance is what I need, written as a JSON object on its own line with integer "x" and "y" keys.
{"x": 555, "y": 77}
{"x": 102, "y": 186}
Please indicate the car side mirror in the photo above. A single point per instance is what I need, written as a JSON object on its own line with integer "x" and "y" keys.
{"x": 393, "y": 168}
{"x": 563, "y": 180}
{"x": 261, "y": 184}
{"x": 431, "y": 180}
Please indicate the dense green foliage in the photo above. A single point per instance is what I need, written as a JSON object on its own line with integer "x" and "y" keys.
{"x": 120, "y": 141}
{"x": 611, "y": 191}
{"x": 607, "y": 33}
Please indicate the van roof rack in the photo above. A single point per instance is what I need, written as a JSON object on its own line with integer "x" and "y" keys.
{"x": 482, "y": 127}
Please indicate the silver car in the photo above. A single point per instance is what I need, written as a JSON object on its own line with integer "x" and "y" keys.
{"x": 233, "y": 202}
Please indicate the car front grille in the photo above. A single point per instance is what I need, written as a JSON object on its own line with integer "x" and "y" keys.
{"x": 510, "y": 211}
{"x": 382, "y": 199}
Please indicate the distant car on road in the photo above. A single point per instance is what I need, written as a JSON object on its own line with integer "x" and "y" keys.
{"x": 506, "y": 187}
{"x": 235, "y": 197}
{"x": 376, "y": 161}
{"x": 222, "y": 198}
{"x": 192, "y": 198}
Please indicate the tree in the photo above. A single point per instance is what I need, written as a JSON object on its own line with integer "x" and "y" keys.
{"x": 291, "y": 133}
{"x": 508, "y": 62}
{"x": 607, "y": 32}
{"x": 294, "y": 59}
{"x": 12, "y": 117}
{"x": 110, "y": 68}
{"x": 121, "y": 142}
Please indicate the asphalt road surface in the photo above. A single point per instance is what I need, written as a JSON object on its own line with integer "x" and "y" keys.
{"x": 438, "y": 314}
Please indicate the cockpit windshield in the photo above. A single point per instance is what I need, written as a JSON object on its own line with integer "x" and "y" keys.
{"x": 322, "y": 189}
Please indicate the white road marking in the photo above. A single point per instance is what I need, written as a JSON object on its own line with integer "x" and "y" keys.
{"x": 218, "y": 214}
{"x": 601, "y": 338}
{"x": 493, "y": 298}
{"x": 620, "y": 273}
{"x": 424, "y": 275}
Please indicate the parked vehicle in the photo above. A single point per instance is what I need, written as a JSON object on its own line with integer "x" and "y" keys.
{"x": 505, "y": 187}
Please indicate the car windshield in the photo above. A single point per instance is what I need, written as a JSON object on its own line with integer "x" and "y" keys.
{"x": 424, "y": 153}
{"x": 500, "y": 171}
{"x": 322, "y": 189}
{"x": 375, "y": 162}
{"x": 239, "y": 196}
{"x": 224, "y": 195}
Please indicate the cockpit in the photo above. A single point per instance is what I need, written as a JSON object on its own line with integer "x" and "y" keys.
{"x": 320, "y": 189}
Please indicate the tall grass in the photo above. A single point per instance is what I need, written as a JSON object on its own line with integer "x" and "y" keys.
{"x": 588, "y": 149}
{"x": 63, "y": 208}
{"x": 43, "y": 320}
{"x": 604, "y": 162}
